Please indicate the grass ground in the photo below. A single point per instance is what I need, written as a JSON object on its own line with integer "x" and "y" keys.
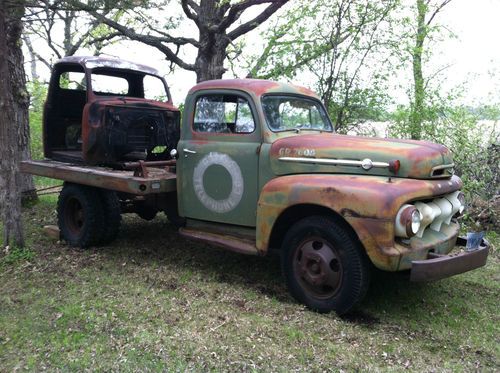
{"x": 154, "y": 301}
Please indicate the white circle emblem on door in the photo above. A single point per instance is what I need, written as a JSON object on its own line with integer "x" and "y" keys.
{"x": 234, "y": 198}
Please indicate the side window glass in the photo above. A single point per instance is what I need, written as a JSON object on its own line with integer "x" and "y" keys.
{"x": 223, "y": 114}
{"x": 72, "y": 80}
{"x": 244, "y": 118}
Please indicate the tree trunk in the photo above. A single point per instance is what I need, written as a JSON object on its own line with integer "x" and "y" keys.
{"x": 210, "y": 63}
{"x": 20, "y": 95}
{"x": 417, "y": 110}
{"x": 21, "y": 109}
{"x": 13, "y": 109}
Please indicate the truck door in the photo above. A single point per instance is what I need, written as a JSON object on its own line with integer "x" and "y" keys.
{"x": 218, "y": 159}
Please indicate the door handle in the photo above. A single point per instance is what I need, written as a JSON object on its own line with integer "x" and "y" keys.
{"x": 188, "y": 151}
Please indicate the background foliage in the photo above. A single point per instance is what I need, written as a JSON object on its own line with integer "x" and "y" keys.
{"x": 348, "y": 51}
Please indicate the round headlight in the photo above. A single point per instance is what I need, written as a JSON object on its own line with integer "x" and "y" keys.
{"x": 416, "y": 219}
{"x": 408, "y": 221}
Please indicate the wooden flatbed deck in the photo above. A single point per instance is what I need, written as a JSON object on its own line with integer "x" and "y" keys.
{"x": 158, "y": 180}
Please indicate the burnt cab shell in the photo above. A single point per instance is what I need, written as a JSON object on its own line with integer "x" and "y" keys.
{"x": 109, "y": 119}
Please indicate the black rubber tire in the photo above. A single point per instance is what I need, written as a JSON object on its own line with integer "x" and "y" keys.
{"x": 86, "y": 229}
{"x": 112, "y": 215}
{"x": 353, "y": 275}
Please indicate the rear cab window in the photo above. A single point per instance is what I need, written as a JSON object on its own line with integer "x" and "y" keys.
{"x": 116, "y": 82}
{"x": 109, "y": 85}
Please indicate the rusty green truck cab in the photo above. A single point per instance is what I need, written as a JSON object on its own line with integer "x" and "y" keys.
{"x": 263, "y": 155}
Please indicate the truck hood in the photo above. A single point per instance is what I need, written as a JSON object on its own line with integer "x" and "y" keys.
{"x": 333, "y": 153}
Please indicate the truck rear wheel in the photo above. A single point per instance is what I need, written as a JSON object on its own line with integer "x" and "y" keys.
{"x": 324, "y": 267}
{"x": 112, "y": 215}
{"x": 80, "y": 215}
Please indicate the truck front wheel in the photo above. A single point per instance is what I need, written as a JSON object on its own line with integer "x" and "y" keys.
{"x": 324, "y": 267}
{"x": 80, "y": 215}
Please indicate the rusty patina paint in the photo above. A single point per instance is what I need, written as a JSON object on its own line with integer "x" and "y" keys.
{"x": 95, "y": 131}
{"x": 94, "y": 134}
{"x": 417, "y": 158}
{"x": 237, "y": 244}
{"x": 368, "y": 203}
{"x": 92, "y": 62}
{"x": 254, "y": 87}
{"x": 159, "y": 180}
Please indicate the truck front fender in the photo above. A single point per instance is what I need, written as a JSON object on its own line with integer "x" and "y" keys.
{"x": 369, "y": 204}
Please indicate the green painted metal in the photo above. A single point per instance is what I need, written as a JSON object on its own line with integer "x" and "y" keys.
{"x": 218, "y": 172}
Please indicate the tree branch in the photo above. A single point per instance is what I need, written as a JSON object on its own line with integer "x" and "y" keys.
{"x": 186, "y": 4}
{"x": 236, "y": 10}
{"x": 254, "y": 23}
{"x": 436, "y": 11}
{"x": 153, "y": 41}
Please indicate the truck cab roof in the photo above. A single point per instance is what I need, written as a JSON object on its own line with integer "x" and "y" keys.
{"x": 254, "y": 87}
{"x": 92, "y": 62}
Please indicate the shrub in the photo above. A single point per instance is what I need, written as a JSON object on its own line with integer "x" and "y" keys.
{"x": 38, "y": 93}
{"x": 476, "y": 152}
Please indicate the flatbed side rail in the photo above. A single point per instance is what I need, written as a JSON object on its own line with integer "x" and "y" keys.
{"x": 156, "y": 180}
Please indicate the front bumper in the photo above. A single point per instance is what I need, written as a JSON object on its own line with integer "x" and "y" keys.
{"x": 439, "y": 266}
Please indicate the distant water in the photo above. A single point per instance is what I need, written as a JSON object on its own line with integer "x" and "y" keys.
{"x": 490, "y": 129}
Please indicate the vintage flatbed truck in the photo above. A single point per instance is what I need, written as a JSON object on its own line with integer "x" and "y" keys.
{"x": 254, "y": 166}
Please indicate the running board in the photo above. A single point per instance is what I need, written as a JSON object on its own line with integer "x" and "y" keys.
{"x": 232, "y": 243}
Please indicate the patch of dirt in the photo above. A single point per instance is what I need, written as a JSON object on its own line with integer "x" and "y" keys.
{"x": 272, "y": 292}
{"x": 361, "y": 318}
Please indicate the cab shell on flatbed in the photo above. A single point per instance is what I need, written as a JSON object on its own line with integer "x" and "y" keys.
{"x": 155, "y": 180}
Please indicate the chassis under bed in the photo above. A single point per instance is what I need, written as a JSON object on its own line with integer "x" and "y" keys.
{"x": 140, "y": 178}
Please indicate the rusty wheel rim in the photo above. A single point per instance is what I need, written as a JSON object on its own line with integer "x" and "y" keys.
{"x": 318, "y": 268}
{"x": 74, "y": 215}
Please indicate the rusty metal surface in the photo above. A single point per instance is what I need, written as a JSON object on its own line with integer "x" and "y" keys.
{"x": 91, "y": 62}
{"x": 232, "y": 243}
{"x": 440, "y": 243}
{"x": 141, "y": 168}
{"x": 254, "y": 87}
{"x": 444, "y": 266}
{"x": 417, "y": 158}
{"x": 134, "y": 165}
{"x": 368, "y": 203}
{"x": 114, "y": 126}
{"x": 159, "y": 180}
{"x": 96, "y": 113}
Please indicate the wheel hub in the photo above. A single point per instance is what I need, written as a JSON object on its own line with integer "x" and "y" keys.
{"x": 318, "y": 266}
{"x": 75, "y": 217}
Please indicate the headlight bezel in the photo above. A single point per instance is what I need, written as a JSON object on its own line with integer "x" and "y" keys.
{"x": 408, "y": 221}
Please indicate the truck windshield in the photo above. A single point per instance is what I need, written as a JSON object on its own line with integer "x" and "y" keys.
{"x": 291, "y": 113}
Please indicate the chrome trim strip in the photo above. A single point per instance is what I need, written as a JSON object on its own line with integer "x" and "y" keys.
{"x": 442, "y": 167}
{"x": 335, "y": 162}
